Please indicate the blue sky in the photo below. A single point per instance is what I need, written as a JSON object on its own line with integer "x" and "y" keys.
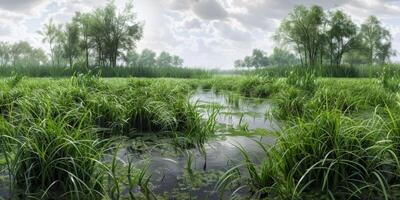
{"x": 206, "y": 33}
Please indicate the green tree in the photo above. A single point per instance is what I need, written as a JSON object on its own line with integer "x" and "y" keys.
{"x": 177, "y": 61}
{"x": 71, "y": 42}
{"x": 282, "y": 57}
{"x": 4, "y": 54}
{"x": 258, "y": 59}
{"x": 147, "y": 58}
{"x": 342, "y": 36}
{"x": 83, "y": 21}
{"x": 164, "y": 60}
{"x": 132, "y": 58}
{"x": 376, "y": 41}
{"x": 304, "y": 30}
{"x": 113, "y": 33}
{"x": 50, "y": 34}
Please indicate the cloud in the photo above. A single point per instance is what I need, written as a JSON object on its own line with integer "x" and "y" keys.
{"x": 20, "y": 5}
{"x": 210, "y": 33}
{"x": 209, "y": 10}
{"x": 192, "y": 24}
{"x": 229, "y": 31}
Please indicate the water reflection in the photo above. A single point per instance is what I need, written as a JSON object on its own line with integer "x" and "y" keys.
{"x": 169, "y": 166}
{"x": 252, "y": 112}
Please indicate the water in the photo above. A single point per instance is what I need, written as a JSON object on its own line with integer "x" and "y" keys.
{"x": 170, "y": 176}
{"x": 253, "y": 112}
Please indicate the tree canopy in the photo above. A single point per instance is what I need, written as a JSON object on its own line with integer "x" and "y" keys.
{"x": 326, "y": 37}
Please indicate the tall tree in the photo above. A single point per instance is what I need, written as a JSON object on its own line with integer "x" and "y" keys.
{"x": 303, "y": 29}
{"x": 71, "y": 42}
{"x": 114, "y": 33}
{"x": 147, "y": 58}
{"x": 49, "y": 34}
{"x": 376, "y": 40}
{"x": 4, "y": 54}
{"x": 342, "y": 36}
{"x": 164, "y": 60}
{"x": 259, "y": 59}
{"x": 83, "y": 21}
{"x": 282, "y": 57}
{"x": 177, "y": 61}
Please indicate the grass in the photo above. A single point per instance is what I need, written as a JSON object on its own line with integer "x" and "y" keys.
{"x": 332, "y": 156}
{"x": 57, "y": 133}
{"x": 340, "y": 141}
{"x": 340, "y": 138}
{"x": 344, "y": 71}
{"x": 149, "y": 72}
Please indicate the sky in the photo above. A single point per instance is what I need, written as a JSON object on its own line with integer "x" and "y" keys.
{"x": 205, "y": 33}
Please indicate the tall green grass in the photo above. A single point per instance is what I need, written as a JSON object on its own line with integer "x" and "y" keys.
{"x": 359, "y": 71}
{"x": 149, "y": 72}
{"x": 57, "y": 134}
{"x": 331, "y": 157}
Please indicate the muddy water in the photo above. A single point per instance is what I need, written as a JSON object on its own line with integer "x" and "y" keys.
{"x": 169, "y": 168}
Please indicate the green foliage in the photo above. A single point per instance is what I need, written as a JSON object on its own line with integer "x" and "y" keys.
{"x": 355, "y": 71}
{"x": 321, "y": 38}
{"x": 138, "y": 71}
{"x": 302, "y": 79}
{"x": 52, "y": 133}
{"x": 390, "y": 78}
{"x": 331, "y": 156}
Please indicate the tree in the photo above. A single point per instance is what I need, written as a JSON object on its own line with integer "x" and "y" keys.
{"x": 4, "y": 54}
{"x": 132, "y": 58}
{"x": 147, "y": 58}
{"x": 167, "y": 60}
{"x": 342, "y": 36}
{"x": 304, "y": 30}
{"x": 239, "y": 64}
{"x": 164, "y": 60}
{"x": 258, "y": 59}
{"x": 71, "y": 42}
{"x": 114, "y": 33}
{"x": 49, "y": 34}
{"x": 177, "y": 61}
{"x": 376, "y": 40}
{"x": 22, "y": 54}
{"x": 83, "y": 21}
{"x": 282, "y": 57}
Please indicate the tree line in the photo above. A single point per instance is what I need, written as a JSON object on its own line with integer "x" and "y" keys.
{"x": 320, "y": 37}
{"x": 259, "y": 59}
{"x": 104, "y": 37}
{"x": 98, "y": 38}
{"x": 21, "y": 53}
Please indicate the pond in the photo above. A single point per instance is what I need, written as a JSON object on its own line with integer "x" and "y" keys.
{"x": 192, "y": 173}
{"x": 171, "y": 177}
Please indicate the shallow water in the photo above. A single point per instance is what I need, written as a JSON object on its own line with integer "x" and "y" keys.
{"x": 255, "y": 113}
{"x": 170, "y": 177}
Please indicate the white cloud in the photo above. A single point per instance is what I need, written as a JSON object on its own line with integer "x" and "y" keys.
{"x": 206, "y": 33}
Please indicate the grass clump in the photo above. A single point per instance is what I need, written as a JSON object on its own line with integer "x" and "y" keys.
{"x": 333, "y": 157}
{"x": 52, "y": 160}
